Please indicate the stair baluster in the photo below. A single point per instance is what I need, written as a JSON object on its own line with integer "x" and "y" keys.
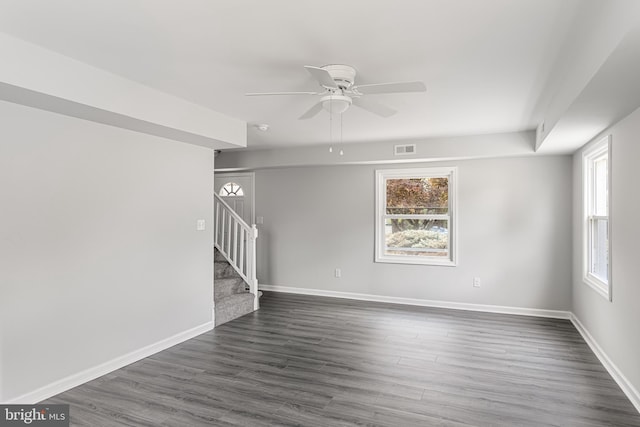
{"x": 236, "y": 241}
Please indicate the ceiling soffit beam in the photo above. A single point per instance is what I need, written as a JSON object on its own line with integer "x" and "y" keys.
{"x": 612, "y": 94}
{"x": 598, "y": 30}
{"x": 40, "y": 78}
{"x": 511, "y": 144}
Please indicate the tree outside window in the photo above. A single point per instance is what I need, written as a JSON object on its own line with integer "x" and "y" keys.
{"x": 415, "y": 216}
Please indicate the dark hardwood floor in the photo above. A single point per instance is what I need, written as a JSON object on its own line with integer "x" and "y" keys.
{"x": 316, "y": 361}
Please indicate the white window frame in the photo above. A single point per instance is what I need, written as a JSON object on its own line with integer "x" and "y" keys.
{"x": 592, "y": 153}
{"x": 382, "y": 176}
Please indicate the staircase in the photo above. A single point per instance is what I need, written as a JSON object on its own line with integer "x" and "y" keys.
{"x": 231, "y": 295}
{"x": 235, "y": 287}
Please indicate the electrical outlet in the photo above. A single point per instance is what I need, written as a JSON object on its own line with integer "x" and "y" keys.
{"x": 338, "y": 273}
{"x": 200, "y": 225}
{"x": 476, "y": 282}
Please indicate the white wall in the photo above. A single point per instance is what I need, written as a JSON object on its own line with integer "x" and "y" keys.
{"x": 514, "y": 222}
{"x": 614, "y": 325}
{"x": 99, "y": 253}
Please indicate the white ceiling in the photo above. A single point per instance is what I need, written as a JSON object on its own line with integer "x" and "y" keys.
{"x": 486, "y": 64}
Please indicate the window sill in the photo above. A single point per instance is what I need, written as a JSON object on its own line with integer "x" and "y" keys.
{"x": 402, "y": 260}
{"x": 598, "y": 285}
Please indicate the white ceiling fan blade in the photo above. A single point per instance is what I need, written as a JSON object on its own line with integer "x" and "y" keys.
{"x": 280, "y": 93}
{"x": 322, "y": 76}
{"x": 312, "y": 111}
{"x": 374, "y": 107}
{"x": 398, "y": 87}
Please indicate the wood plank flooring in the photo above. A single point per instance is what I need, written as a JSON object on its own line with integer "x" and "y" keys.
{"x": 314, "y": 361}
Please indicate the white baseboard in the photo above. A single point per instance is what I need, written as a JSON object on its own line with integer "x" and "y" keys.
{"x": 556, "y": 314}
{"x": 90, "y": 374}
{"x": 626, "y": 386}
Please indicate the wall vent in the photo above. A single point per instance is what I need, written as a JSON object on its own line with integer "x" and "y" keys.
{"x": 403, "y": 150}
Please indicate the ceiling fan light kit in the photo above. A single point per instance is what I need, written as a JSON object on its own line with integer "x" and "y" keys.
{"x": 336, "y": 104}
{"x": 339, "y": 92}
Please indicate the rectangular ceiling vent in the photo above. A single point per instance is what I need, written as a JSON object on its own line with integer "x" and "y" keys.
{"x": 403, "y": 150}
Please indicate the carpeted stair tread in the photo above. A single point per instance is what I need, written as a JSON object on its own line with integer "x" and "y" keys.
{"x": 233, "y": 306}
{"x": 231, "y": 299}
{"x": 230, "y": 295}
{"x": 228, "y": 286}
{"x": 223, "y": 269}
{"x": 217, "y": 256}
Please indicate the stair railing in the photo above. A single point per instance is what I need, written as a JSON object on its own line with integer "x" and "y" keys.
{"x": 236, "y": 241}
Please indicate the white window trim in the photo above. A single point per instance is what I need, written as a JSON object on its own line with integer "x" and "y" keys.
{"x": 596, "y": 149}
{"x": 380, "y": 201}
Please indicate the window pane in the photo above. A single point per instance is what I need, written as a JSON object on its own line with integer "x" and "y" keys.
{"x": 596, "y": 187}
{"x": 600, "y": 176}
{"x": 417, "y": 237}
{"x": 417, "y": 196}
{"x": 600, "y": 248}
{"x": 231, "y": 189}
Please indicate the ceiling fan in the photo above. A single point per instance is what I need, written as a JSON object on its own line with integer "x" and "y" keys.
{"x": 339, "y": 92}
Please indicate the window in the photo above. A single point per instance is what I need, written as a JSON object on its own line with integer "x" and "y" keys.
{"x": 231, "y": 189}
{"x": 596, "y": 182}
{"x": 415, "y": 218}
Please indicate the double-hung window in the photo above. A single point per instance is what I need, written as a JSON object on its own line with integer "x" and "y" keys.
{"x": 415, "y": 218}
{"x": 596, "y": 181}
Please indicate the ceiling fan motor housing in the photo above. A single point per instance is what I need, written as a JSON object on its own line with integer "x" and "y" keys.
{"x": 343, "y": 75}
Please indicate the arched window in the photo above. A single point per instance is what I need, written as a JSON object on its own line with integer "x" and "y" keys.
{"x": 231, "y": 189}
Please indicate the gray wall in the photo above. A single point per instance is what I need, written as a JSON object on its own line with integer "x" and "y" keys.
{"x": 614, "y": 325}
{"x": 514, "y": 233}
{"x": 99, "y": 253}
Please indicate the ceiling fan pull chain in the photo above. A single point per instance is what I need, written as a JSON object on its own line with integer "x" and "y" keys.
{"x": 341, "y": 151}
{"x": 330, "y": 129}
